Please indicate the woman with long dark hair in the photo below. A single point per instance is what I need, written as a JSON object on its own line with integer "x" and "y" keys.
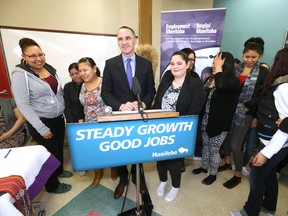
{"x": 221, "y": 89}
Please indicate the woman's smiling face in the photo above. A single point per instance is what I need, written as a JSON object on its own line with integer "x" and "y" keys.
{"x": 178, "y": 66}
{"x": 34, "y": 57}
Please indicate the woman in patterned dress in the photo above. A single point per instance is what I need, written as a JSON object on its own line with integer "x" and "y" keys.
{"x": 92, "y": 102}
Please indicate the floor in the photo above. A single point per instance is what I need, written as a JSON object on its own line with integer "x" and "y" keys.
{"x": 194, "y": 198}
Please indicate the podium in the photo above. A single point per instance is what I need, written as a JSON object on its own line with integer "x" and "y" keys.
{"x": 123, "y": 138}
{"x": 146, "y": 208}
{"x": 134, "y": 115}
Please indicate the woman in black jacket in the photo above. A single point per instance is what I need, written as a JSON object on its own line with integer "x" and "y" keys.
{"x": 221, "y": 90}
{"x": 180, "y": 92}
{"x": 71, "y": 94}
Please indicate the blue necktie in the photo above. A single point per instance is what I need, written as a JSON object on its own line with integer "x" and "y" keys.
{"x": 129, "y": 72}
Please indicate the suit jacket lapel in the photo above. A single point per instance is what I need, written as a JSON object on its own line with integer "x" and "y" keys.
{"x": 137, "y": 66}
{"x": 122, "y": 72}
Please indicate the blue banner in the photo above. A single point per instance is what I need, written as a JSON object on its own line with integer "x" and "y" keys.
{"x": 109, "y": 144}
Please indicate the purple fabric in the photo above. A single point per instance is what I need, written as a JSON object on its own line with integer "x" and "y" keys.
{"x": 47, "y": 169}
{"x": 129, "y": 72}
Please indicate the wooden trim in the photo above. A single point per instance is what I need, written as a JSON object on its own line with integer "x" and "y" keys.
{"x": 5, "y": 81}
{"x": 56, "y": 31}
{"x": 136, "y": 116}
{"x": 145, "y": 21}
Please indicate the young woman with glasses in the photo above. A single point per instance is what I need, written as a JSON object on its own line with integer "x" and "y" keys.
{"x": 39, "y": 97}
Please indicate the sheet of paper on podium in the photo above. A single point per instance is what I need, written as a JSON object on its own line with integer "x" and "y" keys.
{"x": 109, "y": 144}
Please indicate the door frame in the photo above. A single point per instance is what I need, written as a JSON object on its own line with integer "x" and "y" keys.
{"x": 5, "y": 78}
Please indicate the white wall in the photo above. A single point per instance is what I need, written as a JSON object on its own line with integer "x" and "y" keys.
{"x": 97, "y": 16}
{"x": 94, "y": 16}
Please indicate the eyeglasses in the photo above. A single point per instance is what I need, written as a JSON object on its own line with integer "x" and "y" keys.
{"x": 34, "y": 56}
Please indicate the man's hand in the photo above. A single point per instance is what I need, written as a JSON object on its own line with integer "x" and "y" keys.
{"x": 135, "y": 104}
{"x": 129, "y": 106}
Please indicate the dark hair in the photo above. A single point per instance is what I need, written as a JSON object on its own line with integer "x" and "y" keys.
{"x": 26, "y": 42}
{"x": 188, "y": 51}
{"x": 264, "y": 64}
{"x": 254, "y": 43}
{"x": 98, "y": 72}
{"x": 126, "y": 27}
{"x": 237, "y": 61}
{"x": 87, "y": 60}
{"x": 228, "y": 66}
{"x": 73, "y": 65}
{"x": 182, "y": 54}
{"x": 206, "y": 72}
{"x": 91, "y": 63}
{"x": 278, "y": 69}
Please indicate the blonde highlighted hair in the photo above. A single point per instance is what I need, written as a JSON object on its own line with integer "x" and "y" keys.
{"x": 148, "y": 52}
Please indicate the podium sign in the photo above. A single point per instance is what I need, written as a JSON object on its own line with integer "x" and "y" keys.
{"x": 109, "y": 144}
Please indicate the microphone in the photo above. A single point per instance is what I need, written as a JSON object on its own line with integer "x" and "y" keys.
{"x": 137, "y": 92}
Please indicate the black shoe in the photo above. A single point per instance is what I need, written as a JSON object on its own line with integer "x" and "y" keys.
{"x": 224, "y": 167}
{"x": 65, "y": 174}
{"x": 233, "y": 182}
{"x": 199, "y": 170}
{"x": 209, "y": 180}
{"x": 62, "y": 188}
{"x": 120, "y": 189}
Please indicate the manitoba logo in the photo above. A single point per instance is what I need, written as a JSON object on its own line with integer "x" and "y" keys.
{"x": 182, "y": 150}
{"x": 169, "y": 153}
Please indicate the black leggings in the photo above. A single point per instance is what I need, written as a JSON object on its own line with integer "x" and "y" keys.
{"x": 53, "y": 145}
{"x": 174, "y": 166}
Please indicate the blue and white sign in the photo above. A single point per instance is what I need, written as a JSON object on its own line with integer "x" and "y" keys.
{"x": 109, "y": 144}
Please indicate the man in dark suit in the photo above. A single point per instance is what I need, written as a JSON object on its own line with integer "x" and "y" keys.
{"x": 116, "y": 91}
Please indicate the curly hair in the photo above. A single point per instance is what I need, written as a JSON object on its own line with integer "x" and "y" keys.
{"x": 148, "y": 52}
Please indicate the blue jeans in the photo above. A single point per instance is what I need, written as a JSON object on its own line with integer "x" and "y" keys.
{"x": 264, "y": 185}
{"x": 251, "y": 140}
